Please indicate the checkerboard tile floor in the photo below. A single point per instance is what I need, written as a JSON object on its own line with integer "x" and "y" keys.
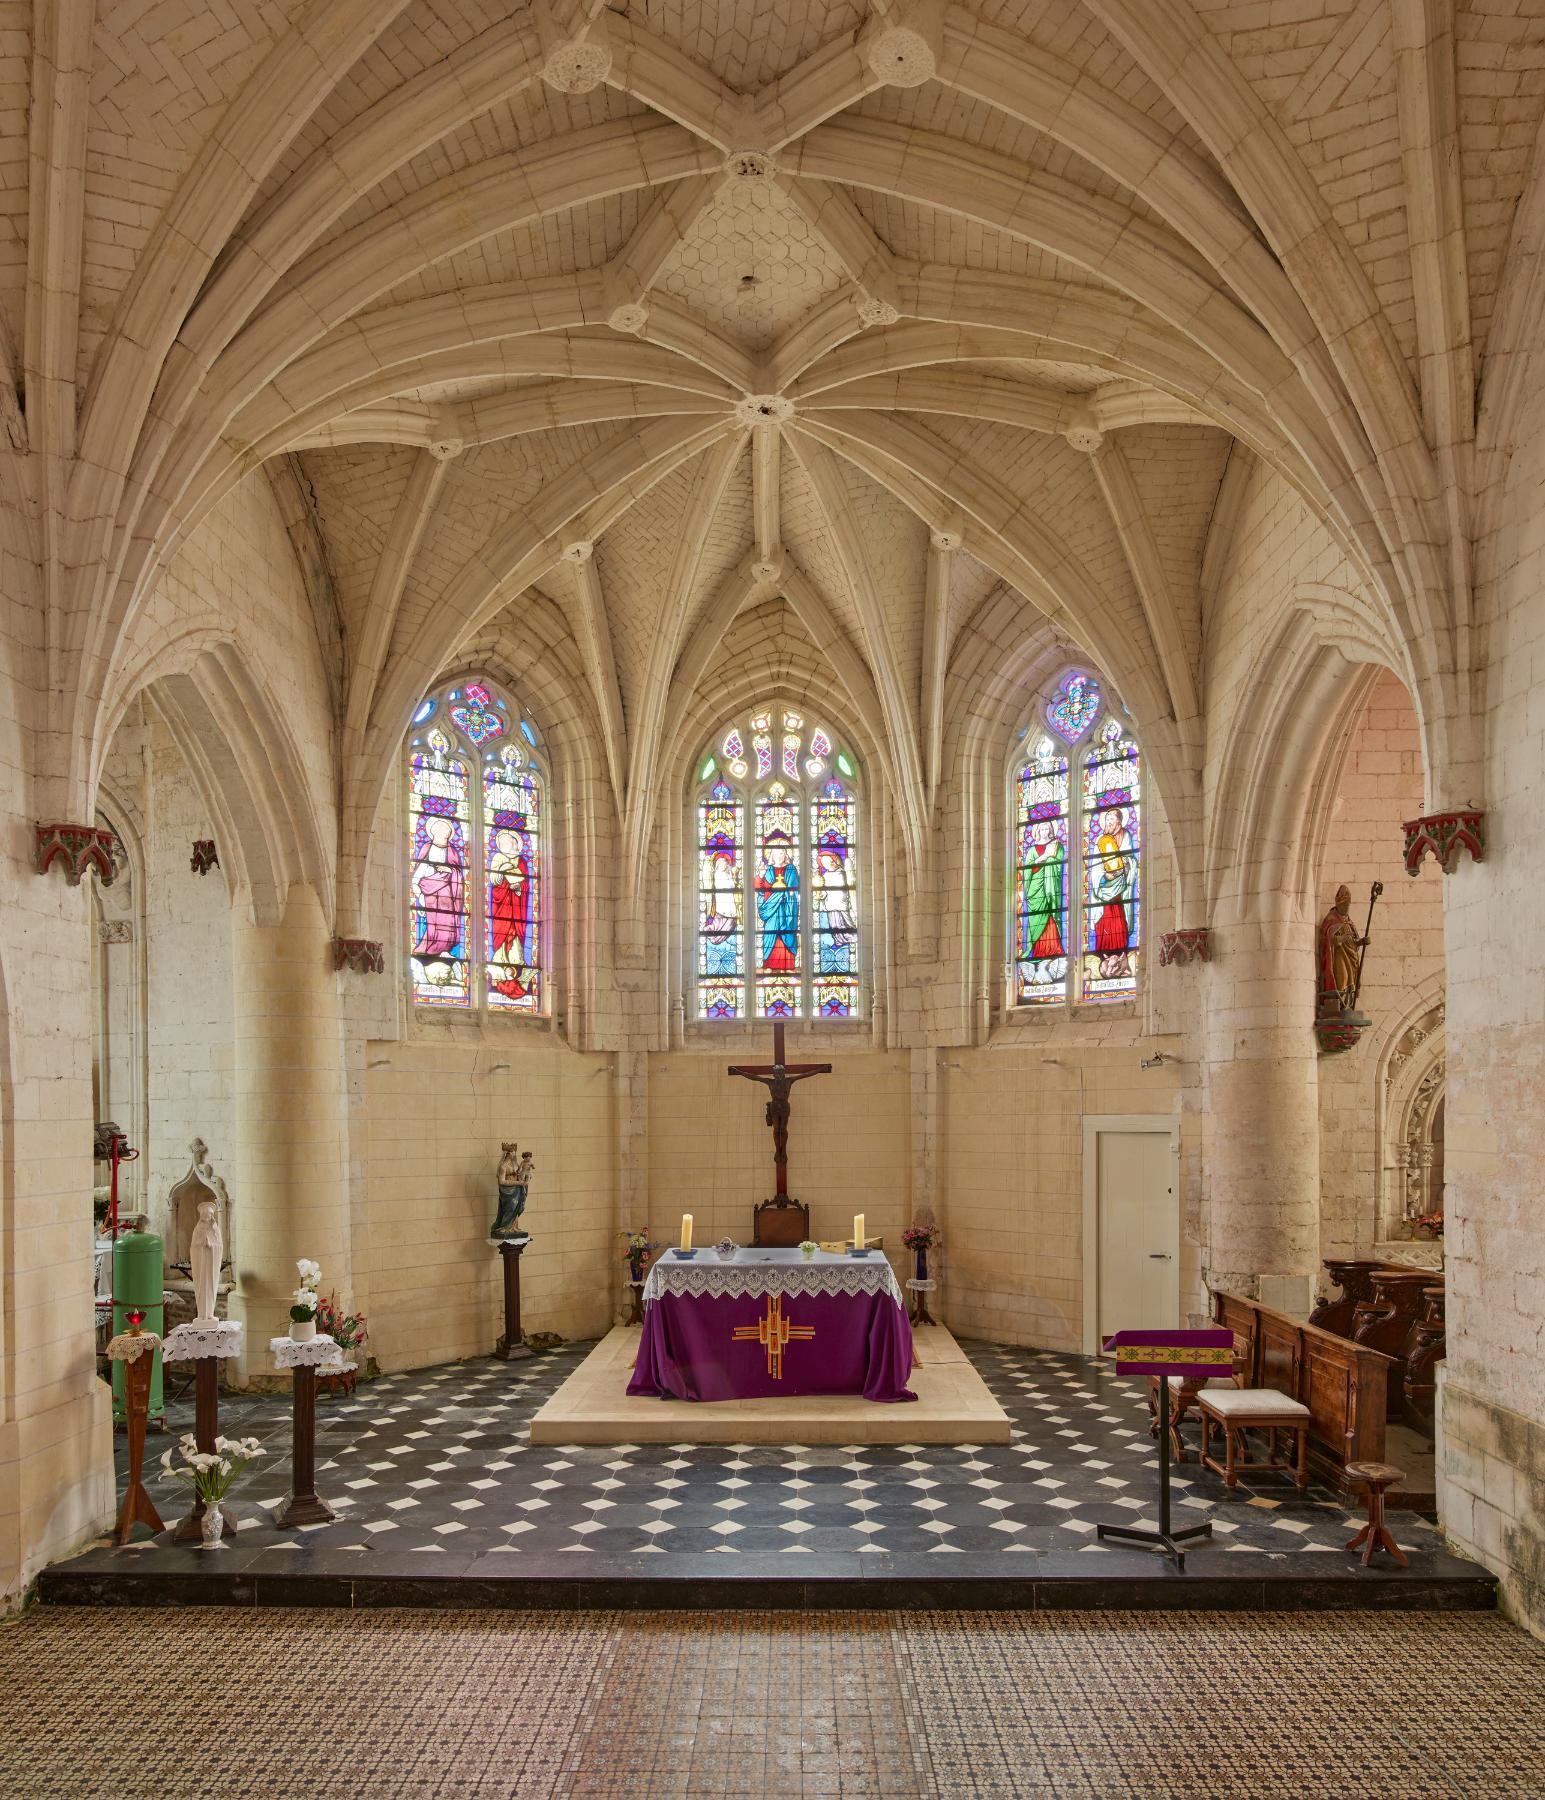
{"x": 439, "y": 1460}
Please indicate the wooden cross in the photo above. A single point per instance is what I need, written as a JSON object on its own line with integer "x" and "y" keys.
{"x": 775, "y": 1331}
{"x": 778, "y": 1077}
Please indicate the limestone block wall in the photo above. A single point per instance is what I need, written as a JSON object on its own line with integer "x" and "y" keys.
{"x": 1381, "y": 785}
{"x": 189, "y": 1037}
{"x": 438, "y": 1108}
{"x": 1012, "y": 1124}
{"x": 850, "y": 1144}
{"x": 1492, "y": 1468}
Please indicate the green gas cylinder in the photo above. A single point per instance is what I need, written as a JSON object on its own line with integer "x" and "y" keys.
{"x": 137, "y": 1287}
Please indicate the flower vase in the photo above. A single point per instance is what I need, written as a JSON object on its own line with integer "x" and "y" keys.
{"x": 922, "y": 1263}
{"x": 211, "y": 1526}
{"x": 302, "y": 1331}
{"x": 635, "y": 1270}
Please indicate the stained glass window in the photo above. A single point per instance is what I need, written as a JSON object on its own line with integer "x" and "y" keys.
{"x": 776, "y": 837}
{"x": 1112, "y": 817}
{"x": 1041, "y": 876}
{"x": 512, "y": 820}
{"x": 834, "y": 897}
{"x": 1076, "y": 917}
{"x": 439, "y": 814}
{"x": 721, "y": 904}
{"x": 476, "y": 849}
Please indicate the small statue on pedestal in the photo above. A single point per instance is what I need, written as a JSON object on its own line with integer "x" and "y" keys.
{"x": 515, "y": 1168}
{"x": 206, "y": 1252}
{"x": 1339, "y": 953}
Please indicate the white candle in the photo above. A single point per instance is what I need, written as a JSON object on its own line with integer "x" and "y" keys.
{"x": 858, "y": 1231}
{"x": 686, "y": 1231}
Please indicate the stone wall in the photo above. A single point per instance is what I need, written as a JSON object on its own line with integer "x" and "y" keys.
{"x": 1380, "y": 786}
{"x": 1494, "y": 1390}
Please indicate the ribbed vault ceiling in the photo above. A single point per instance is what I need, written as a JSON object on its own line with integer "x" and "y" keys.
{"x": 641, "y": 318}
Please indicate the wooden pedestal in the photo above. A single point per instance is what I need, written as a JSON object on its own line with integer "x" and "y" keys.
{"x": 138, "y": 1508}
{"x": 512, "y": 1346}
{"x": 304, "y": 1507}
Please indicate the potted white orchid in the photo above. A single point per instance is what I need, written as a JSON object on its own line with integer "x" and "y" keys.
{"x": 210, "y": 1474}
{"x": 303, "y": 1302}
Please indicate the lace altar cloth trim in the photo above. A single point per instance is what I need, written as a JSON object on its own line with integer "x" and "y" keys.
{"x": 191, "y": 1343}
{"x": 314, "y": 1353}
{"x": 130, "y": 1346}
{"x": 832, "y": 1275}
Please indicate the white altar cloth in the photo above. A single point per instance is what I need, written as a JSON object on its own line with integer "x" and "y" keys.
{"x": 763, "y": 1272}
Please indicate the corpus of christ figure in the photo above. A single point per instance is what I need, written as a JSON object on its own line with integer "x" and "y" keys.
{"x": 778, "y": 1077}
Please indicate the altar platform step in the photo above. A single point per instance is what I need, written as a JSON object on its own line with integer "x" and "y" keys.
{"x": 954, "y": 1406}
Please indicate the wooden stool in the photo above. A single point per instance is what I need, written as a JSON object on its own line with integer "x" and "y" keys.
{"x": 1375, "y": 1535}
{"x": 1240, "y": 1410}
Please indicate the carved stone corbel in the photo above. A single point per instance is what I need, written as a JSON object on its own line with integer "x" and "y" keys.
{"x": 205, "y": 856}
{"x": 1445, "y": 835}
{"x": 80, "y": 847}
{"x": 363, "y": 955}
{"x": 1190, "y": 944}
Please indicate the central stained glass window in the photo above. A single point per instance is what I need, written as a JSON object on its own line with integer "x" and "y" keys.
{"x": 776, "y": 837}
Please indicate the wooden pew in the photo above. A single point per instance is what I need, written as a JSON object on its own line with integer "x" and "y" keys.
{"x": 1344, "y": 1384}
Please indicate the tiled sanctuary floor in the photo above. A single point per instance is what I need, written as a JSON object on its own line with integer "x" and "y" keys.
{"x": 437, "y": 1463}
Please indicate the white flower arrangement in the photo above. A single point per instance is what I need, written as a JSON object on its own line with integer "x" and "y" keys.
{"x": 210, "y": 1473}
{"x": 808, "y": 1248}
{"x": 303, "y": 1302}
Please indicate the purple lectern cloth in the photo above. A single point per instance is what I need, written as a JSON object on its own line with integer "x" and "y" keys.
{"x": 862, "y": 1345}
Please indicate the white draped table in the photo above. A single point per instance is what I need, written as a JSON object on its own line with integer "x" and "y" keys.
{"x": 762, "y": 1324}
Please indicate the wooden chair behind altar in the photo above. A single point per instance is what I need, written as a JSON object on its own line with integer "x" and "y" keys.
{"x": 780, "y": 1224}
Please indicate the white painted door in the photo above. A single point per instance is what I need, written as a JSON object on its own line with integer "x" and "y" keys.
{"x": 1137, "y": 1222}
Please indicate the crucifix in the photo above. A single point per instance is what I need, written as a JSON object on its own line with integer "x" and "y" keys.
{"x": 778, "y": 1077}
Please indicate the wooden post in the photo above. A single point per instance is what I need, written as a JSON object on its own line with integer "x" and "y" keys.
{"x": 138, "y": 1508}
{"x": 304, "y": 1506}
{"x": 512, "y": 1346}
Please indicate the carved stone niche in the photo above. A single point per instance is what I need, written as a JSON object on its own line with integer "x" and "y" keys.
{"x": 200, "y": 1183}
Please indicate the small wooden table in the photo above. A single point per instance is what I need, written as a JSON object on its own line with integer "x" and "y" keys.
{"x": 1375, "y": 1535}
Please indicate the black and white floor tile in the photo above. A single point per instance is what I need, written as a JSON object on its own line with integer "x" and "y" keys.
{"x": 439, "y": 1460}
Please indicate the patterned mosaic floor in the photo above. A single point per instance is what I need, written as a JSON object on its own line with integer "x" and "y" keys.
{"x": 942, "y": 1706}
{"x": 437, "y": 1461}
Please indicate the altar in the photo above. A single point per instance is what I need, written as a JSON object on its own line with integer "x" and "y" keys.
{"x": 766, "y": 1323}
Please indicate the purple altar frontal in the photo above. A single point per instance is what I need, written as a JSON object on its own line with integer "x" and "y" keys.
{"x": 772, "y": 1323}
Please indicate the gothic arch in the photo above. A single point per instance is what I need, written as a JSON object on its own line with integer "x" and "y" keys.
{"x": 1410, "y": 1086}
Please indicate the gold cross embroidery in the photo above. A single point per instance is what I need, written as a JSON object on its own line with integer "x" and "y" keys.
{"x": 774, "y": 1331}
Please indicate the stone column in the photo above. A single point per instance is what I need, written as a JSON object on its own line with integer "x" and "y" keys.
{"x": 290, "y": 1192}
{"x": 1260, "y": 1101}
{"x": 56, "y": 1440}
